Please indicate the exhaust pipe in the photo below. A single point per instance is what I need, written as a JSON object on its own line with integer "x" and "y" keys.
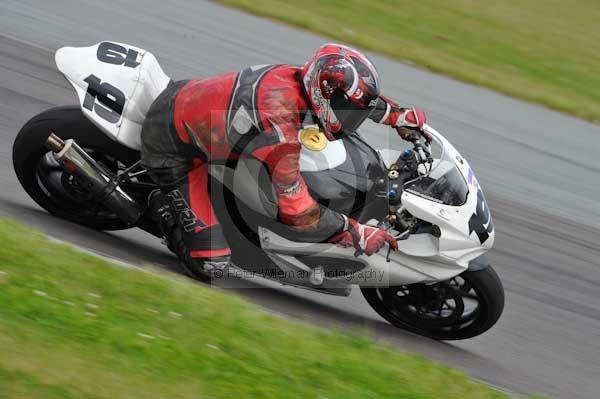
{"x": 104, "y": 184}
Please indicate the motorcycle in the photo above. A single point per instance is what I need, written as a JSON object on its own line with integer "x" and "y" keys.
{"x": 82, "y": 163}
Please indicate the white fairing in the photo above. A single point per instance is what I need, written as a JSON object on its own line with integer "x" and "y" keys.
{"x": 458, "y": 242}
{"x": 333, "y": 155}
{"x": 466, "y": 232}
{"x": 116, "y": 84}
{"x": 403, "y": 268}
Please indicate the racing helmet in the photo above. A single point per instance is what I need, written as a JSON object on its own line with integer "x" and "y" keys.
{"x": 342, "y": 86}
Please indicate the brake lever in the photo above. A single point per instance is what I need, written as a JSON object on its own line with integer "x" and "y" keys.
{"x": 400, "y": 237}
{"x": 358, "y": 251}
{"x": 422, "y": 155}
{"x": 418, "y": 147}
{"x": 428, "y": 153}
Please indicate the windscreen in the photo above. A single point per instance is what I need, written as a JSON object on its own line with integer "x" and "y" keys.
{"x": 444, "y": 184}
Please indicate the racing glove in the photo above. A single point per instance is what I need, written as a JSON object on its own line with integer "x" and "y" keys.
{"x": 365, "y": 239}
{"x": 410, "y": 124}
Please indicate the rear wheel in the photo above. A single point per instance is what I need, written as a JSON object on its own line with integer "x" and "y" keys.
{"x": 460, "y": 308}
{"x": 45, "y": 180}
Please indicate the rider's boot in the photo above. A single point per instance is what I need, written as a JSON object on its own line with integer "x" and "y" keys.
{"x": 160, "y": 209}
{"x": 204, "y": 269}
{"x": 167, "y": 211}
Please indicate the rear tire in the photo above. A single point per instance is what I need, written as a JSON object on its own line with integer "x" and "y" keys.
{"x": 29, "y": 151}
{"x": 485, "y": 284}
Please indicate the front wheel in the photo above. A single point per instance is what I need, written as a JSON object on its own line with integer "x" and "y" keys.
{"x": 460, "y": 308}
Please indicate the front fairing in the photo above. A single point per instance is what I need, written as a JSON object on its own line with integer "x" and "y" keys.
{"x": 465, "y": 231}
{"x": 357, "y": 185}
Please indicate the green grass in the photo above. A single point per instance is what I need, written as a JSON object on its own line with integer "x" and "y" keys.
{"x": 543, "y": 51}
{"x": 74, "y": 326}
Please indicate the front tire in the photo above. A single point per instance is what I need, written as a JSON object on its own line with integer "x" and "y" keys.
{"x": 45, "y": 181}
{"x": 424, "y": 309}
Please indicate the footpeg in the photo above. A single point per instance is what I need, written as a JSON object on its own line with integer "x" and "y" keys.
{"x": 317, "y": 275}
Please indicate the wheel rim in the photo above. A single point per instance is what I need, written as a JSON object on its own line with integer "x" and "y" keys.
{"x": 65, "y": 191}
{"x": 450, "y": 305}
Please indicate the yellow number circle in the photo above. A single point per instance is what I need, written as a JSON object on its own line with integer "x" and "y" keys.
{"x": 313, "y": 139}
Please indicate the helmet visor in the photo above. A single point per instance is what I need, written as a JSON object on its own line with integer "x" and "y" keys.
{"x": 349, "y": 113}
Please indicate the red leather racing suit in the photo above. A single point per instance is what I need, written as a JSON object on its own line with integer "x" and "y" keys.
{"x": 258, "y": 113}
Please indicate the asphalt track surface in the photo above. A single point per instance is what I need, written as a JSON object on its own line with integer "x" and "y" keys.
{"x": 540, "y": 171}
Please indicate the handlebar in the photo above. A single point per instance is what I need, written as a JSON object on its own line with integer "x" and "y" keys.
{"x": 422, "y": 153}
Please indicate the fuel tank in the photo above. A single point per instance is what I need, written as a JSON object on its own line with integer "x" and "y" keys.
{"x": 357, "y": 187}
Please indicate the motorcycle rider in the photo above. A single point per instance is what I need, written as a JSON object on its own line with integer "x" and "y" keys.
{"x": 259, "y": 112}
